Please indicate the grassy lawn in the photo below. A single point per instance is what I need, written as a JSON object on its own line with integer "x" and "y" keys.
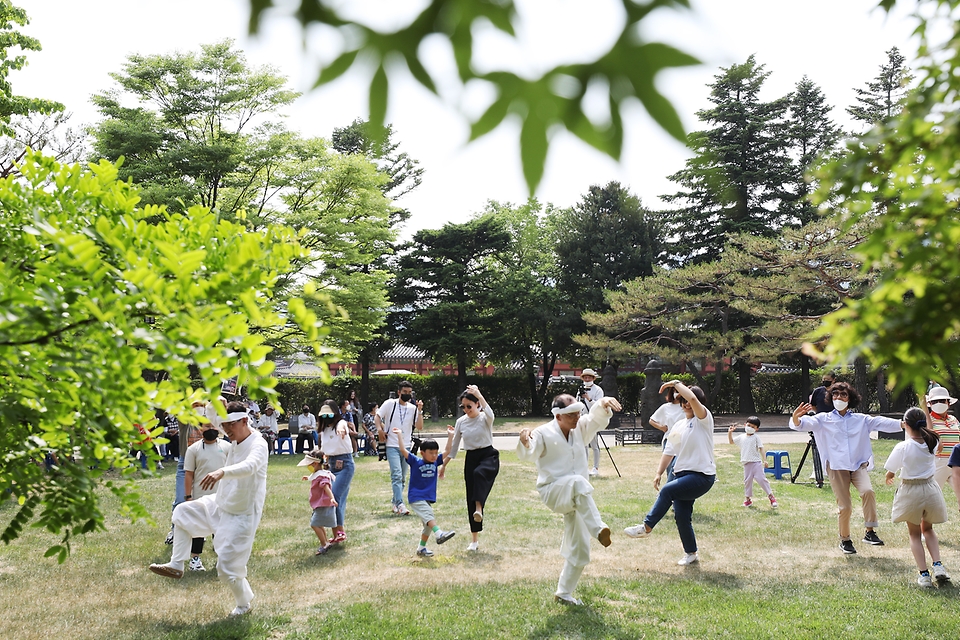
{"x": 763, "y": 573}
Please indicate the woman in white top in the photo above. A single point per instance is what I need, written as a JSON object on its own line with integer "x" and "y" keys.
{"x": 337, "y": 446}
{"x": 919, "y": 500}
{"x": 695, "y": 469}
{"x": 474, "y": 430}
{"x": 667, "y": 415}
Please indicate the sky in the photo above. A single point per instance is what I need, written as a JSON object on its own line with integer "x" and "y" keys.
{"x": 838, "y": 45}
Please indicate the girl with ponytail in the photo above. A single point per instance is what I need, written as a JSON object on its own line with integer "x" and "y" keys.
{"x": 919, "y": 500}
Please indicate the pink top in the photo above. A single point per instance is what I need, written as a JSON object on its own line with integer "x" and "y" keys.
{"x": 319, "y": 497}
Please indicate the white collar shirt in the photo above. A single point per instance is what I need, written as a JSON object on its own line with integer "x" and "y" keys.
{"x": 844, "y": 441}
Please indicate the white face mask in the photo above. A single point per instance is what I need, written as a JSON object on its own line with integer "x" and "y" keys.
{"x": 840, "y": 405}
{"x": 749, "y": 430}
{"x": 587, "y": 385}
{"x": 939, "y": 407}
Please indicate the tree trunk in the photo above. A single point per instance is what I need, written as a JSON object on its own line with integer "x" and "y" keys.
{"x": 365, "y": 376}
{"x": 461, "y": 371}
{"x": 745, "y": 389}
{"x": 860, "y": 382}
{"x": 882, "y": 396}
{"x": 717, "y": 383}
{"x": 805, "y": 386}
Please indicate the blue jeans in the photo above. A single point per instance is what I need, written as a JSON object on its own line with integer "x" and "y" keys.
{"x": 398, "y": 473}
{"x": 341, "y": 481}
{"x": 681, "y": 493}
{"x": 180, "y": 491}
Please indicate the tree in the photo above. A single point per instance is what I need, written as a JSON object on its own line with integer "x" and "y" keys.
{"x": 535, "y": 321}
{"x": 442, "y": 290}
{"x": 184, "y": 135}
{"x": 625, "y": 71}
{"x": 404, "y": 174}
{"x": 181, "y": 295}
{"x": 47, "y": 133}
{"x": 736, "y": 180}
{"x": 13, "y": 105}
{"x": 604, "y": 240}
{"x": 884, "y": 96}
{"x": 905, "y": 168}
{"x": 812, "y": 137}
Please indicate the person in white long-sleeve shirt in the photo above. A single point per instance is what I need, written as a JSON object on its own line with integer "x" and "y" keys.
{"x": 232, "y": 514}
{"x": 589, "y": 393}
{"x": 558, "y": 448}
{"x": 843, "y": 439}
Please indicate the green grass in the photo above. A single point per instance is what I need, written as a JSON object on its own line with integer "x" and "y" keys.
{"x": 763, "y": 573}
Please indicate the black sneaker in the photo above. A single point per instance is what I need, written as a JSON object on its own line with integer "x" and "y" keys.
{"x": 847, "y": 547}
{"x": 871, "y": 537}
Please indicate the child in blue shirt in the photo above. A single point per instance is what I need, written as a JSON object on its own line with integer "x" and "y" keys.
{"x": 422, "y": 491}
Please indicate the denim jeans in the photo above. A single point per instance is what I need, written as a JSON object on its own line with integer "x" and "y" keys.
{"x": 681, "y": 493}
{"x": 341, "y": 482}
{"x": 180, "y": 490}
{"x": 398, "y": 473}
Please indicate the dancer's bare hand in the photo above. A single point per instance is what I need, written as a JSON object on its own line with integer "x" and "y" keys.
{"x": 611, "y": 403}
{"x": 211, "y": 479}
{"x": 525, "y": 437}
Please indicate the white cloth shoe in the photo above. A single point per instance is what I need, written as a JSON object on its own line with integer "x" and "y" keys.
{"x": 568, "y": 600}
{"x": 473, "y": 546}
{"x": 637, "y": 531}
{"x": 239, "y": 611}
{"x": 594, "y": 472}
{"x": 688, "y": 558}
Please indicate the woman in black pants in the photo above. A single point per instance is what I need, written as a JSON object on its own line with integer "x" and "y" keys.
{"x": 475, "y": 429}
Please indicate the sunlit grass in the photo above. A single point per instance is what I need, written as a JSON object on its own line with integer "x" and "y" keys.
{"x": 764, "y": 573}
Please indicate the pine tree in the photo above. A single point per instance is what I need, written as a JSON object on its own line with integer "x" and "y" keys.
{"x": 812, "y": 136}
{"x": 884, "y": 96}
{"x": 734, "y": 183}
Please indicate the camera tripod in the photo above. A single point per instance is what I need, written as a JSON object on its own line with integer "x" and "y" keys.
{"x": 817, "y": 464}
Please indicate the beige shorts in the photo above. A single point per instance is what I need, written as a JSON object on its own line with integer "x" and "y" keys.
{"x": 918, "y": 500}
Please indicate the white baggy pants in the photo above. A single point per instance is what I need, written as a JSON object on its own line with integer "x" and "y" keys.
{"x": 233, "y": 540}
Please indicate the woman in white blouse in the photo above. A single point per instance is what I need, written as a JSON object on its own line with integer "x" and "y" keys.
{"x": 474, "y": 430}
{"x": 337, "y": 446}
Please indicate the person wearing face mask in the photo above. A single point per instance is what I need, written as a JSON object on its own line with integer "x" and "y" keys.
{"x": 474, "y": 429}
{"x": 202, "y": 457}
{"x": 843, "y": 438}
{"x": 307, "y": 435}
{"x": 589, "y": 393}
{"x": 399, "y": 413}
{"x": 947, "y": 428}
{"x": 752, "y": 459}
{"x": 821, "y": 399}
{"x": 337, "y": 446}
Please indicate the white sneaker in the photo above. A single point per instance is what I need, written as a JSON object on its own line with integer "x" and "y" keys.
{"x": 688, "y": 558}
{"x": 196, "y": 564}
{"x": 594, "y": 472}
{"x": 239, "y": 611}
{"x": 637, "y": 531}
{"x": 159, "y": 465}
{"x": 424, "y": 552}
{"x": 402, "y": 510}
{"x": 940, "y": 574}
{"x": 570, "y": 600}
{"x": 473, "y": 546}
{"x": 925, "y": 581}
{"x": 443, "y": 536}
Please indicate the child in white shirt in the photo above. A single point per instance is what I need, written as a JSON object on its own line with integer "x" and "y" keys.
{"x": 919, "y": 500}
{"x": 752, "y": 459}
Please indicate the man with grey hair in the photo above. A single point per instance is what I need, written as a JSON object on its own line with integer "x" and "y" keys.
{"x": 231, "y": 515}
{"x": 558, "y": 448}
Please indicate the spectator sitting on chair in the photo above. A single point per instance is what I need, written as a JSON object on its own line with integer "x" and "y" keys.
{"x": 308, "y": 430}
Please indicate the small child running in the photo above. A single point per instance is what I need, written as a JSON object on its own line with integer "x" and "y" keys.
{"x": 422, "y": 492}
{"x": 321, "y": 498}
{"x": 919, "y": 500}
{"x": 752, "y": 459}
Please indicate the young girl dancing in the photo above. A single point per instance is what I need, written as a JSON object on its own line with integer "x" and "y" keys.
{"x": 919, "y": 501}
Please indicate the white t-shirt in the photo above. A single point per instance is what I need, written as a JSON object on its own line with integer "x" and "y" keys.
{"x": 268, "y": 423}
{"x": 691, "y": 441}
{"x": 668, "y": 414}
{"x": 749, "y": 447}
{"x": 913, "y": 459}
{"x": 334, "y": 444}
{"x": 202, "y": 458}
{"x": 307, "y": 422}
{"x": 402, "y": 418}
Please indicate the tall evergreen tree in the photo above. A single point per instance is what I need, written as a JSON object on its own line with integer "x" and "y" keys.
{"x": 883, "y": 96}
{"x": 735, "y": 181}
{"x": 812, "y": 135}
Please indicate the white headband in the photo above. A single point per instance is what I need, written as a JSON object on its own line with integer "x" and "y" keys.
{"x": 233, "y": 417}
{"x": 576, "y": 407}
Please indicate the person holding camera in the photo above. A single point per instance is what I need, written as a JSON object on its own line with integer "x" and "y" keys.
{"x": 475, "y": 430}
{"x": 406, "y": 414}
{"x": 588, "y": 394}
{"x": 843, "y": 439}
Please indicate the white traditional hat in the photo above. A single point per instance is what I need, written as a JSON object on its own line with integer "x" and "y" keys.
{"x": 588, "y": 372}
{"x": 940, "y": 393}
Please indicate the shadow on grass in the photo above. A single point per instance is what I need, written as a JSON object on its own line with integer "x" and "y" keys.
{"x": 580, "y": 622}
{"x": 248, "y": 627}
